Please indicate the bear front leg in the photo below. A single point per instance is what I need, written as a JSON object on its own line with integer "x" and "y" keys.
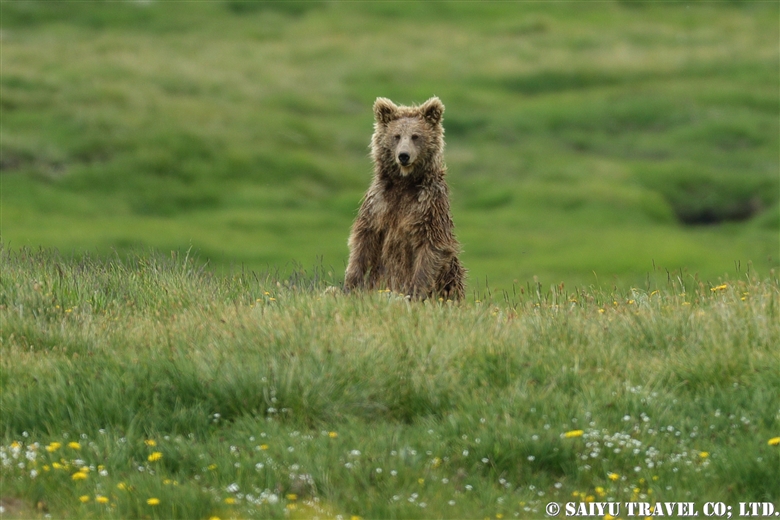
{"x": 364, "y": 248}
{"x": 427, "y": 264}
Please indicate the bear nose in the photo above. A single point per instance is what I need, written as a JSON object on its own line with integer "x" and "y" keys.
{"x": 404, "y": 158}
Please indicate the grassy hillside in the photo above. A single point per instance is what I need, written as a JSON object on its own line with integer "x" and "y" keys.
{"x": 153, "y": 389}
{"x": 586, "y": 142}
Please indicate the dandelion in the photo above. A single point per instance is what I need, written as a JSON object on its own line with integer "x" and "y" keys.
{"x": 774, "y": 441}
{"x": 292, "y": 497}
{"x": 74, "y": 445}
{"x": 613, "y": 476}
{"x": 121, "y": 486}
{"x": 79, "y": 475}
{"x": 704, "y": 454}
{"x": 153, "y": 501}
{"x": 264, "y": 447}
{"x": 155, "y": 456}
{"x": 573, "y": 433}
{"x": 719, "y": 288}
{"x": 54, "y": 446}
{"x": 212, "y": 467}
{"x": 333, "y": 435}
{"x": 101, "y": 499}
{"x": 84, "y": 499}
{"x": 421, "y": 481}
{"x": 150, "y": 442}
{"x": 230, "y": 501}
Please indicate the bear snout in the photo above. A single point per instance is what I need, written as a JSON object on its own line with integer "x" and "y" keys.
{"x": 403, "y": 158}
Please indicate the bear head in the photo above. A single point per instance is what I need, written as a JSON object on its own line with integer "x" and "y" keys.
{"x": 408, "y": 136}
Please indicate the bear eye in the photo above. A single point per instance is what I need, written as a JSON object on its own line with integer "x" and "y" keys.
{"x": 397, "y": 137}
{"x": 415, "y": 137}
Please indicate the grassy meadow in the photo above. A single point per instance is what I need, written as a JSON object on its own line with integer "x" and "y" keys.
{"x": 586, "y": 142}
{"x": 151, "y": 388}
{"x": 170, "y": 171}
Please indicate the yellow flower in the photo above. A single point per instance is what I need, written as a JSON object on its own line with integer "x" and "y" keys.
{"x": 101, "y": 499}
{"x": 573, "y": 433}
{"x": 84, "y": 499}
{"x": 212, "y": 467}
{"x": 292, "y": 497}
{"x": 354, "y": 517}
{"x": 167, "y": 481}
{"x": 121, "y": 486}
{"x": 289, "y": 506}
{"x": 499, "y": 516}
{"x": 609, "y": 517}
{"x": 590, "y": 498}
{"x": 54, "y": 446}
{"x": 150, "y": 442}
{"x": 230, "y": 500}
{"x": 214, "y": 518}
{"x": 704, "y": 454}
{"x": 774, "y": 441}
{"x": 421, "y": 481}
{"x": 74, "y": 445}
{"x": 264, "y": 447}
{"x": 56, "y": 465}
{"x": 719, "y": 288}
{"x": 600, "y": 491}
{"x": 153, "y": 501}
{"x": 613, "y": 476}
{"x": 155, "y": 456}
{"x": 46, "y": 467}
{"x": 79, "y": 475}
{"x": 333, "y": 435}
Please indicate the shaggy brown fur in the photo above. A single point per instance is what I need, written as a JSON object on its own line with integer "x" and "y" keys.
{"x": 402, "y": 238}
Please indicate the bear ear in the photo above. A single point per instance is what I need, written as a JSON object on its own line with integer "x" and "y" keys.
{"x": 385, "y": 110}
{"x": 432, "y": 110}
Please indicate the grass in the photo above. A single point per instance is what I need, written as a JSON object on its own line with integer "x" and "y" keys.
{"x": 592, "y": 138}
{"x": 151, "y": 388}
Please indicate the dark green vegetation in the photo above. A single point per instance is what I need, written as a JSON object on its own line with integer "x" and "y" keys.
{"x": 600, "y": 138}
{"x": 190, "y": 395}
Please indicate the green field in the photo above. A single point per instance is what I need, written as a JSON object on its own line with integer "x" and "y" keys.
{"x": 587, "y": 143}
{"x": 190, "y": 395}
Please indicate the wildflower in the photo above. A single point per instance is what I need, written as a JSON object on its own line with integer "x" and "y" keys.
{"x": 153, "y": 501}
{"x": 421, "y": 481}
{"x": 292, "y": 497}
{"x": 719, "y": 287}
{"x": 212, "y": 467}
{"x": 774, "y": 441}
{"x": 264, "y": 447}
{"x": 573, "y": 433}
{"x": 79, "y": 475}
{"x": 150, "y": 442}
{"x": 354, "y": 517}
{"x": 101, "y": 499}
{"x": 600, "y": 491}
{"x": 54, "y": 446}
{"x": 121, "y": 486}
{"x": 333, "y": 435}
{"x": 609, "y": 517}
{"x": 613, "y": 476}
{"x": 704, "y": 454}
{"x": 215, "y": 517}
{"x": 74, "y": 445}
{"x": 230, "y": 501}
{"x": 155, "y": 456}
{"x": 84, "y": 499}
{"x": 288, "y": 506}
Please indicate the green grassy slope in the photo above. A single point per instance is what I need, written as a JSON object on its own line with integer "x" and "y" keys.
{"x": 580, "y": 138}
{"x": 189, "y": 395}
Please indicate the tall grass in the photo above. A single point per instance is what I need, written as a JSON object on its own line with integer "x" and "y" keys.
{"x": 258, "y": 396}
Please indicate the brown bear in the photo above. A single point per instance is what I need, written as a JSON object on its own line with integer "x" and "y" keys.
{"x": 402, "y": 238}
